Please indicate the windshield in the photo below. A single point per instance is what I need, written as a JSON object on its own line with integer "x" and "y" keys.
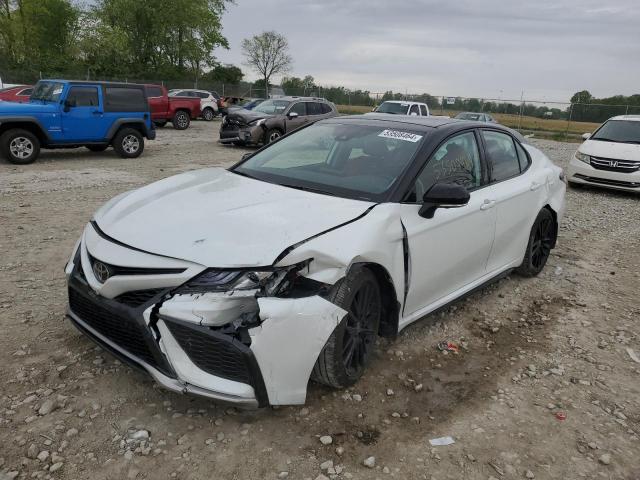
{"x": 620, "y": 131}
{"x": 395, "y": 108}
{"x": 352, "y": 161}
{"x": 47, "y": 91}
{"x": 468, "y": 116}
{"x": 272, "y": 107}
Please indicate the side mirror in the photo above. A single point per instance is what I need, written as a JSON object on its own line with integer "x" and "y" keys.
{"x": 585, "y": 136}
{"x": 292, "y": 115}
{"x": 68, "y": 104}
{"x": 443, "y": 195}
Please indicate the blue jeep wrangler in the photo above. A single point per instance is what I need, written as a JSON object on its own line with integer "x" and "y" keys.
{"x": 69, "y": 114}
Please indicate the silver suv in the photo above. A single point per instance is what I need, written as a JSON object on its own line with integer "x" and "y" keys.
{"x": 273, "y": 118}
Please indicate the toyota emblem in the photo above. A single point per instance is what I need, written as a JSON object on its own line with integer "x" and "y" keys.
{"x": 101, "y": 271}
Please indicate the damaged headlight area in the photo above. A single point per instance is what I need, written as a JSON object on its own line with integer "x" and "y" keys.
{"x": 228, "y": 297}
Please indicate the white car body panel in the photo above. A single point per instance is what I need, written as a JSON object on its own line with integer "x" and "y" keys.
{"x": 287, "y": 344}
{"x": 260, "y": 219}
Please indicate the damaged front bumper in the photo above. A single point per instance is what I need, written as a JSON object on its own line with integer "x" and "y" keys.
{"x": 171, "y": 338}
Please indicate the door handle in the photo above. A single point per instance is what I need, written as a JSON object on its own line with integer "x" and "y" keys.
{"x": 535, "y": 186}
{"x": 487, "y": 204}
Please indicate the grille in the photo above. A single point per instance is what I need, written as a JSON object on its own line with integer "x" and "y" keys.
{"x": 611, "y": 165}
{"x": 216, "y": 356}
{"x": 136, "y": 298}
{"x": 604, "y": 181}
{"x": 119, "y": 329}
{"x": 119, "y": 270}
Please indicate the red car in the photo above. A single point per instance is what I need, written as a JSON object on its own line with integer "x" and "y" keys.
{"x": 177, "y": 110}
{"x": 18, "y": 94}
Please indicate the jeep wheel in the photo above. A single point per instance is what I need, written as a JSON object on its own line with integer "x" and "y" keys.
{"x": 97, "y": 148}
{"x": 181, "y": 120}
{"x": 208, "y": 114}
{"x": 129, "y": 143}
{"x": 272, "y": 135}
{"x": 20, "y": 147}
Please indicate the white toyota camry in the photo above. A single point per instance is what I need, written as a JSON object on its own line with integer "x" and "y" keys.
{"x": 243, "y": 284}
{"x": 610, "y": 157}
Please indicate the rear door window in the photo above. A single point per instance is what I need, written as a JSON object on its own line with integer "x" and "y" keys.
{"x": 83, "y": 97}
{"x": 314, "y": 108}
{"x": 501, "y": 155}
{"x": 423, "y": 110}
{"x": 523, "y": 158}
{"x": 325, "y": 108}
{"x": 123, "y": 99}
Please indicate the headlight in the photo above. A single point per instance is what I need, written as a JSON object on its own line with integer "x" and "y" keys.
{"x": 255, "y": 123}
{"x": 582, "y": 157}
{"x": 268, "y": 281}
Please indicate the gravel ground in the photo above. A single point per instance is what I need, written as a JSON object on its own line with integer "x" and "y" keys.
{"x": 543, "y": 386}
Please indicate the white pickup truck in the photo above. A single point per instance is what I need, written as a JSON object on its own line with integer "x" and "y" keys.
{"x": 402, "y": 107}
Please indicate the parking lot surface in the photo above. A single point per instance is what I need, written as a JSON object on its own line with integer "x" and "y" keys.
{"x": 545, "y": 384}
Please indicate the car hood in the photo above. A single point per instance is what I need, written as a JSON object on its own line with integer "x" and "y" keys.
{"x": 614, "y": 150}
{"x": 221, "y": 219}
{"x": 31, "y": 108}
{"x": 246, "y": 116}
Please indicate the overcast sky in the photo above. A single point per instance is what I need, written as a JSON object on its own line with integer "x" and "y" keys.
{"x": 484, "y": 48}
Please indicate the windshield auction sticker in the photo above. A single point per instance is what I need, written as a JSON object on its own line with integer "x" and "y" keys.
{"x": 398, "y": 135}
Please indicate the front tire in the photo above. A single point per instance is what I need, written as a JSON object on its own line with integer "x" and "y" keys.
{"x": 129, "y": 143}
{"x": 208, "y": 114}
{"x": 19, "y": 146}
{"x": 541, "y": 240}
{"x": 272, "y": 135}
{"x": 350, "y": 347}
{"x": 181, "y": 120}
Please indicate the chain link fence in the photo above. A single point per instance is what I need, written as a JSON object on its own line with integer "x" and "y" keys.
{"x": 556, "y": 120}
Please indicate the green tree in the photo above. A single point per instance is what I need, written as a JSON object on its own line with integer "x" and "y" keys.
{"x": 268, "y": 55}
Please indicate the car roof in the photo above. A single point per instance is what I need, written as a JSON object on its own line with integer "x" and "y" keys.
{"x": 290, "y": 98}
{"x": 423, "y": 123}
{"x": 404, "y": 101}
{"x": 97, "y": 82}
{"x": 633, "y": 118}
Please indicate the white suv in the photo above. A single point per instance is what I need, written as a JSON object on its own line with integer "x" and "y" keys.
{"x": 398, "y": 107}
{"x": 208, "y": 102}
{"x": 610, "y": 157}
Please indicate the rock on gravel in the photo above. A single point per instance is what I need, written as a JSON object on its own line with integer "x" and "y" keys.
{"x": 369, "y": 462}
{"x": 326, "y": 440}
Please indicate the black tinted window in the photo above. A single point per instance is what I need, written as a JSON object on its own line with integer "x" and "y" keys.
{"x": 314, "y": 108}
{"x": 83, "y": 96}
{"x": 456, "y": 161}
{"x": 26, "y": 92}
{"x": 326, "y": 108}
{"x": 501, "y": 155}
{"x": 423, "y": 109}
{"x": 124, "y": 99}
{"x": 299, "y": 108}
{"x": 157, "y": 92}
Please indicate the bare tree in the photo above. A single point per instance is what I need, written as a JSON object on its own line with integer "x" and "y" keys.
{"x": 267, "y": 54}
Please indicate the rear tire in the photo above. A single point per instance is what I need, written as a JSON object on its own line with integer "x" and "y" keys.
{"x": 208, "y": 114}
{"x": 97, "y": 148}
{"x": 350, "y": 347}
{"x": 541, "y": 239}
{"x": 19, "y": 146}
{"x": 128, "y": 143}
{"x": 181, "y": 120}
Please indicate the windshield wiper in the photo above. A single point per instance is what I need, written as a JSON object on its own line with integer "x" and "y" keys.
{"x": 308, "y": 189}
{"x": 244, "y": 174}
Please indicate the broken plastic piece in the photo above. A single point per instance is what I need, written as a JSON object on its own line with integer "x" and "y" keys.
{"x": 561, "y": 416}
{"x": 446, "y": 346}
{"x": 441, "y": 441}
